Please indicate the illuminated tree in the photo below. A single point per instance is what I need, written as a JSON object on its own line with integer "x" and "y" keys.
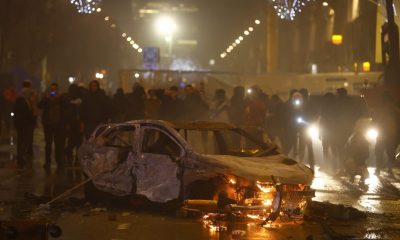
{"x": 287, "y": 9}
{"x": 86, "y": 6}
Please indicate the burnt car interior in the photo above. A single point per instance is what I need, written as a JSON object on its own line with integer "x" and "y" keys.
{"x": 157, "y": 142}
{"x": 226, "y": 142}
{"x": 121, "y": 137}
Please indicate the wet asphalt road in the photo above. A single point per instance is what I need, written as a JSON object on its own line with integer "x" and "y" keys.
{"x": 82, "y": 221}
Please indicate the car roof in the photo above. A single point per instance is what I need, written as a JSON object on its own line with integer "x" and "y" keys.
{"x": 191, "y": 125}
{"x": 202, "y": 125}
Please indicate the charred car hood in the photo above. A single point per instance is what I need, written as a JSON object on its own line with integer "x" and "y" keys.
{"x": 282, "y": 168}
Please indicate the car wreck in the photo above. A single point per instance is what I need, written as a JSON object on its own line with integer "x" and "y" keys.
{"x": 203, "y": 166}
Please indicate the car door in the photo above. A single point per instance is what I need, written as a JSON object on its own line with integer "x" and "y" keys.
{"x": 111, "y": 160}
{"x": 157, "y": 168}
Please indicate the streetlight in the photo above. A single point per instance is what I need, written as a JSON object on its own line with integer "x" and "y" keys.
{"x": 166, "y": 26}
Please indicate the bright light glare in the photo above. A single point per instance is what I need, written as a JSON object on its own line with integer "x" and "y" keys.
{"x": 297, "y": 102}
{"x": 166, "y": 25}
{"x": 300, "y": 120}
{"x": 71, "y": 80}
{"x": 246, "y": 32}
{"x": 12, "y": 114}
{"x": 251, "y": 29}
{"x": 99, "y": 75}
{"x": 257, "y": 21}
{"x": 372, "y": 181}
{"x": 168, "y": 39}
{"x": 249, "y": 91}
{"x": 137, "y": 75}
{"x": 325, "y": 4}
{"x": 313, "y": 132}
{"x": 372, "y": 134}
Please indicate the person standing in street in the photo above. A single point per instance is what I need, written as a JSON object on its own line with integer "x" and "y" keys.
{"x": 74, "y": 136}
{"x": 24, "y": 122}
{"x": 136, "y": 103}
{"x": 53, "y": 126}
{"x": 171, "y": 108}
{"x": 95, "y": 108}
{"x": 238, "y": 106}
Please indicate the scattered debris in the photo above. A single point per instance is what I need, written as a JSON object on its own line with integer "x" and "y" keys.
{"x": 123, "y": 226}
{"x": 333, "y": 211}
{"x": 238, "y": 234}
{"x": 98, "y": 210}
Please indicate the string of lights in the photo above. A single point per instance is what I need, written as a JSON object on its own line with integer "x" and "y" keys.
{"x": 124, "y": 35}
{"x": 91, "y": 6}
{"x": 287, "y": 9}
{"x": 86, "y": 6}
{"x": 239, "y": 39}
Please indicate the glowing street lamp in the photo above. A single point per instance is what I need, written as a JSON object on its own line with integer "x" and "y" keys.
{"x": 166, "y": 25}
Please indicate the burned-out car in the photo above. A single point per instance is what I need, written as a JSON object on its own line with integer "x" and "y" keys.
{"x": 206, "y": 166}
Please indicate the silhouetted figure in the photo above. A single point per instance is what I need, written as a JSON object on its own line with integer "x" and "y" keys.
{"x": 195, "y": 108}
{"x": 274, "y": 126}
{"x": 345, "y": 122}
{"x": 289, "y": 120}
{"x": 387, "y": 120}
{"x": 328, "y": 128}
{"x": 308, "y": 114}
{"x": 95, "y": 108}
{"x": 136, "y": 103}
{"x": 357, "y": 153}
{"x": 73, "y": 121}
{"x": 171, "y": 108}
{"x": 53, "y": 125}
{"x": 119, "y": 106}
{"x": 24, "y": 122}
{"x": 237, "y": 106}
{"x": 152, "y": 105}
{"x": 256, "y": 111}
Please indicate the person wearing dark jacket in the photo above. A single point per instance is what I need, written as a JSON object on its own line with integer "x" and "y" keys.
{"x": 136, "y": 103}
{"x": 120, "y": 106}
{"x": 73, "y": 100}
{"x": 171, "y": 105}
{"x": 24, "y": 122}
{"x": 194, "y": 107}
{"x": 53, "y": 125}
{"x": 95, "y": 108}
{"x": 238, "y": 106}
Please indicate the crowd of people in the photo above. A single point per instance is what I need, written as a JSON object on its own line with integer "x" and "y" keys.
{"x": 69, "y": 118}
